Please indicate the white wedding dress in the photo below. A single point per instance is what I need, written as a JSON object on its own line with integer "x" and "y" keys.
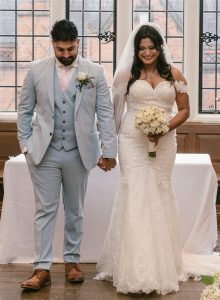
{"x": 142, "y": 249}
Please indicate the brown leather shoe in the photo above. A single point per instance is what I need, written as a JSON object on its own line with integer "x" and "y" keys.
{"x": 39, "y": 279}
{"x": 73, "y": 272}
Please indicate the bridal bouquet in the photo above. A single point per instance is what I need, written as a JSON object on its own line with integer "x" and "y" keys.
{"x": 152, "y": 120}
{"x": 212, "y": 291}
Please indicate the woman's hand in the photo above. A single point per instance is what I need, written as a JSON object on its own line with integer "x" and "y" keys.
{"x": 154, "y": 138}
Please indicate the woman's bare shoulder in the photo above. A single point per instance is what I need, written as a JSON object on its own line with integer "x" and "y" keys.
{"x": 178, "y": 75}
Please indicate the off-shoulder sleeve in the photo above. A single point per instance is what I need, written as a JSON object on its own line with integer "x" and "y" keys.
{"x": 181, "y": 87}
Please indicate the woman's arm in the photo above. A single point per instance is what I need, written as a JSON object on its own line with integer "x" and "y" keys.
{"x": 182, "y": 100}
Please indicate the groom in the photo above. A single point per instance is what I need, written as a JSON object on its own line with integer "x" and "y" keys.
{"x": 61, "y": 97}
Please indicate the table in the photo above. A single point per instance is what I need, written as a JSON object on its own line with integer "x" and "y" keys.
{"x": 195, "y": 185}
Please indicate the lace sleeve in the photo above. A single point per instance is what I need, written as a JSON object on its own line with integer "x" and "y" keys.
{"x": 119, "y": 89}
{"x": 181, "y": 87}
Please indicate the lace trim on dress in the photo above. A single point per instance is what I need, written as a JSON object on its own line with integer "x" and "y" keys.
{"x": 181, "y": 86}
{"x": 153, "y": 286}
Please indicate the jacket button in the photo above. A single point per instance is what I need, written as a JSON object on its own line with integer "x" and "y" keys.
{"x": 51, "y": 133}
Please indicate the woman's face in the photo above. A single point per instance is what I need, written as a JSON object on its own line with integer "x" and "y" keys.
{"x": 148, "y": 53}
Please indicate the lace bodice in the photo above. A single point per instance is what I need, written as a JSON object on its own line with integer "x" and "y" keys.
{"x": 164, "y": 94}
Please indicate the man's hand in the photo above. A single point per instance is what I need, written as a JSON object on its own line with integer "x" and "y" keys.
{"x": 106, "y": 164}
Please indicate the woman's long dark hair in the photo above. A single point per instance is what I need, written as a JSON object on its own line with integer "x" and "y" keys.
{"x": 163, "y": 67}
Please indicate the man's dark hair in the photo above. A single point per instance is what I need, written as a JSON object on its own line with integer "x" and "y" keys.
{"x": 64, "y": 30}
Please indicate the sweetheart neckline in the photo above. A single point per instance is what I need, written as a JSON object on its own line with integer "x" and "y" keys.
{"x": 153, "y": 88}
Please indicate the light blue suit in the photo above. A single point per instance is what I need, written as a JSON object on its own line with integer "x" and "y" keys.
{"x": 51, "y": 167}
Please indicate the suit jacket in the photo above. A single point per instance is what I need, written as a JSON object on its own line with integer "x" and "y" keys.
{"x": 93, "y": 102}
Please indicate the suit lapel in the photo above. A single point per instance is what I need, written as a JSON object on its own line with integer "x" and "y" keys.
{"x": 82, "y": 67}
{"x": 50, "y": 81}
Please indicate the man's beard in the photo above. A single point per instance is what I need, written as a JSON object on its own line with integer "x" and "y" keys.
{"x": 66, "y": 61}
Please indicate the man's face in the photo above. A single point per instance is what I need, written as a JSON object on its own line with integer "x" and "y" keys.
{"x": 66, "y": 52}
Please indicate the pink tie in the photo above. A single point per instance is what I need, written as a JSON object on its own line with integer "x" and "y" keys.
{"x": 64, "y": 78}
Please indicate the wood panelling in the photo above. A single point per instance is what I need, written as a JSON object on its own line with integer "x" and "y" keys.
{"x": 218, "y": 214}
{"x": 209, "y": 144}
{"x": 182, "y": 143}
{"x": 192, "y": 137}
{"x": 8, "y": 141}
{"x": 8, "y": 147}
{"x": 200, "y": 138}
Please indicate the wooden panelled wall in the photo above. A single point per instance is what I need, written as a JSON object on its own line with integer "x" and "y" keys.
{"x": 8, "y": 147}
{"x": 191, "y": 138}
{"x": 8, "y": 141}
{"x": 200, "y": 138}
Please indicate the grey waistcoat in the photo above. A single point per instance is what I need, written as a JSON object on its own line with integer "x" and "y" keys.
{"x": 64, "y": 109}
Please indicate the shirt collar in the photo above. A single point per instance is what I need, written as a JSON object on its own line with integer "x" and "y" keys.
{"x": 74, "y": 64}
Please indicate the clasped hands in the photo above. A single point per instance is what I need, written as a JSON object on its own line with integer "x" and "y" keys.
{"x": 106, "y": 164}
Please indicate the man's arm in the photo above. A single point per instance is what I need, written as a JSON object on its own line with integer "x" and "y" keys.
{"x": 106, "y": 121}
{"x": 26, "y": 108}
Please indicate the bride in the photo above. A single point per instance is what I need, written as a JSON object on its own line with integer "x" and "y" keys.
{"x": 142, "y": 250}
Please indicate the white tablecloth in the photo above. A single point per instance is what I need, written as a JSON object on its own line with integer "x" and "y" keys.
{"x": 195, "y": 186}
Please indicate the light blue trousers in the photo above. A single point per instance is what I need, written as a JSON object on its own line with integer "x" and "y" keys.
{"x": 58, "y": 168}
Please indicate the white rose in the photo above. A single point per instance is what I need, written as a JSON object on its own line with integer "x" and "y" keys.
{"x": 165, "y": 129}
{"x": 211, "y": 292}
{"x": 145, "y": 130}
{"x": 155, "y": 124}
{"x": 83, "y": 76}
{"x": 146, "y": 118}
{"x": 217, "y": 279}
